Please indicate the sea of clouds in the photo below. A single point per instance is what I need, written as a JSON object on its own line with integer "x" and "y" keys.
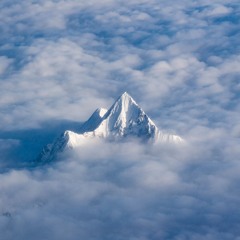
{"x": 60, "y": 60}
{"x": 126, "y": 191}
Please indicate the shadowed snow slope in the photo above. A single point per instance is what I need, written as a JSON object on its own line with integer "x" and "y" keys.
{"x": 124, "y": 119}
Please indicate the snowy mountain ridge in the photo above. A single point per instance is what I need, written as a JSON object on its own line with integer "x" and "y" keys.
{"x": 124, "y": 119}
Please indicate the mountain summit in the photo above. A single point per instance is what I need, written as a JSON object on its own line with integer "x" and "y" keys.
{"x": 123, "y": 119}
{"x": 126, "y": 118}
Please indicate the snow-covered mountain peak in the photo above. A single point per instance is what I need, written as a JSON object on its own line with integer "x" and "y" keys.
{"x": 95, "y": 119}
{"x": 125, "y": 98}
{"x": 125, "y": 118}
{"x": 123, "y": 104}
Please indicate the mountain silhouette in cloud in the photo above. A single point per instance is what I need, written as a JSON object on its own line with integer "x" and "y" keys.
{"x": 125, "y": 118}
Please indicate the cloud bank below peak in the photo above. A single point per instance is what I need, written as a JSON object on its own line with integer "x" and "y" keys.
{"x": 60, "y": 60}
{"x": 125, "y": 190}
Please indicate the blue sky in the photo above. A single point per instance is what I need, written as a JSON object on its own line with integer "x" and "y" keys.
{"x": 60, "y": 60}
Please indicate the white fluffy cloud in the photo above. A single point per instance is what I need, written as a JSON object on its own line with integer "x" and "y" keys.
{"x": 59, "y": 60}
{"x": 85, "y": 55}
{"x": 125, "y": 191}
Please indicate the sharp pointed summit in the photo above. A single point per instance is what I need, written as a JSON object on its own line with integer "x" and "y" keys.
{"x": 125, "y": 118}
{"x": 125, "y": 94}
{"x": 125, "y": 97}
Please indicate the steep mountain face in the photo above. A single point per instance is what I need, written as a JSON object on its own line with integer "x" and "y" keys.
{"x": 93, "y": 122}
{"x": 124, "y": 119}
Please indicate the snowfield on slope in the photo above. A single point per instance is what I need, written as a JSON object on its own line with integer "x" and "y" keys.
{"x": 124, "y": 119}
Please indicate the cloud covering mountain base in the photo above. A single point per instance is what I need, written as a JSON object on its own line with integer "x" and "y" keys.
{"x": 125, "y": 191}
{"x": 61, "y": 59}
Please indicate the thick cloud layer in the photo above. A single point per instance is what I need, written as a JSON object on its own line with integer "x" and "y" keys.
{"x": 126, "y": 191}
{"x": 70, "y": 57}
{"x": 60, "y": 60}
